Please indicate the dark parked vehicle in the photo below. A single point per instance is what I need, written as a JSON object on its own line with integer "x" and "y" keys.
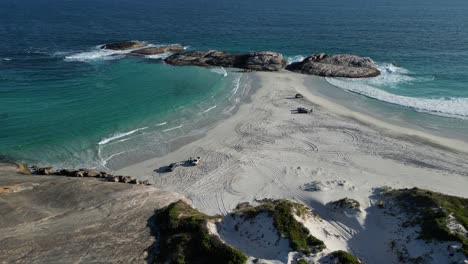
{"x": 303, "y": 110}
{"x": 172, "y": 166}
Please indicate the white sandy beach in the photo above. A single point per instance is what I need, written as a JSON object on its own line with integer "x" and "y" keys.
{"x": 265, "y": 151}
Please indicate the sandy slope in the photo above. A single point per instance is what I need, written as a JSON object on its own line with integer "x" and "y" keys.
{"x": 54, "y": 219}
{"x": 265, "y": 151}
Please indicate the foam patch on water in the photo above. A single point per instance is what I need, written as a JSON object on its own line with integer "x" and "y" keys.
{"x": 220, "y": 70}
{"x": 97, "y": 54}
{"x": 159, "y": 56}
{"x": 454, "y": 107}
{"x": 119, "y": 135}
{"x": 296, "y": 58}
{"x": 209, "y": 109}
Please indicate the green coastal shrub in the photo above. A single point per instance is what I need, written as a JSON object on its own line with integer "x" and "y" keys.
{"x": 282, "y": 212}
{"x": 184, "y": 238}
{"x": 431, "y": 211}
{"x": 344, "y": 257}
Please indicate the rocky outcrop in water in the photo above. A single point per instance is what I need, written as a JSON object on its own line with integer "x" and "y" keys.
{"x": 158, "y": 50}
{"x": 258, "y": 61}
{"x": 340, "y": 65}
{"x": 125, "y": 45}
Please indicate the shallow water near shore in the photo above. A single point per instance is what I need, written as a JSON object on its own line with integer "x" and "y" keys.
{"x": 65, "y": 102}
{"x": 443, "y": 126}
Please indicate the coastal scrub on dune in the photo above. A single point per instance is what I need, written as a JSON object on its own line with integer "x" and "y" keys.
{"x": 283, "y": 212}
{"x": 440, "y": 217}
{"x": 344, "y": 257}
{"x": 185, "y": 238}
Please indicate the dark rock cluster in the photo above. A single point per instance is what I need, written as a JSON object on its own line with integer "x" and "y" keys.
{"x": 340, "y": 65}
{"x": 256, "y": 61}
{"x": 86, "y": 173}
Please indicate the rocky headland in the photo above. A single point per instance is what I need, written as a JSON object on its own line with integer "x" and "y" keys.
{"x": 340, "y": 65}
{"x": 57, "y": 219}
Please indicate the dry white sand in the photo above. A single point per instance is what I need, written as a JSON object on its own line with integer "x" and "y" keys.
{"x": 265, "y": 151}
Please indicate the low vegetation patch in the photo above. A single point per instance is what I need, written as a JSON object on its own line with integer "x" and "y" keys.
{"x": 184, "y": 238}
{"x": 432, "y": 211}
{"x": 344, "y": 257}
{"x": 283, "y": 212}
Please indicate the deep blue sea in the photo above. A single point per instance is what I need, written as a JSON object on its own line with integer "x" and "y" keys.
{"x": 67, "y": 103}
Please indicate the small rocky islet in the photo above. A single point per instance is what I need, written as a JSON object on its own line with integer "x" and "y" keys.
{"x": 327, "y": 65}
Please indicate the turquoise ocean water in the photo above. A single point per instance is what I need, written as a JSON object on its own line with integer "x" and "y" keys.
{"x": 67, "y": 103}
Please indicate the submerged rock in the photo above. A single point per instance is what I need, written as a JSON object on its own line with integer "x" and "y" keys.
{"x": 157, "y": 50}
{"x": 341, "y": 65}
{"x": 259, "y": 61}
{"x": 125, "y": 45}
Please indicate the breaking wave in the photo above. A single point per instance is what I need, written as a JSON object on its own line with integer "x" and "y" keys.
{"x": 119, "y": 135}
{"x": 390, "y": 77}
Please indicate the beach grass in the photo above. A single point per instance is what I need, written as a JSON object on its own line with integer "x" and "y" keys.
{"x": 184, "y": 238}
{"x": 432, "y": 211}
{"x": 344, "y": 257}
{"x": 283, "y": 212}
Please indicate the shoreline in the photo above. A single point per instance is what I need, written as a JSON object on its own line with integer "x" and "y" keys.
{"x": 264, "y": 151}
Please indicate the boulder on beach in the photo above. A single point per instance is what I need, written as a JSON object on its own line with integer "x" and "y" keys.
{"x": 125, "y": 45}
{"x": 259, "y": 61}
{"x": 158, "y": 50}
{"x": 43, "y": 170}
{"x": 340, "y": 65}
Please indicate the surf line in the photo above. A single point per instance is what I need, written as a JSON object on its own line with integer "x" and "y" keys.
{"x": 119, "y": 135}
{"x": 172, "y": 128}
{"x": 209, "y": 109}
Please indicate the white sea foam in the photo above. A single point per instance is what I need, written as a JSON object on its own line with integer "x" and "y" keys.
{"x": 161, "y": 124}
{"x": 209, "y": 109}
{"x": 296, "y": 58}
{"x": 172, "y": 128}
{"x": 159, "y": 56}
{"x": 455, "y": 107}
{"x": 119, "y": 135}
{"x": 236, "y": 83}
{"x": 220, "y": 70}
{"x": 7, "y": 59}
{"x": 104, "y": 161}
{"x": 97, "y": 54}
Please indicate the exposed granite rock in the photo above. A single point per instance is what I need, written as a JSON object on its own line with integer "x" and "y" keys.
{"x": 51, "y": 219}
{"x": 158, "y": 50}
{"x": 202, "y": 58}
{"x": 43, "y": 170}
{"x": 126, "y": 45}
{"x": 16, "y": 167}
{"x": 259, "y": 61}
{"x": 92, "y": 173}
{"x": 265, "y": 61}
{"x": 341, "y": 65}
